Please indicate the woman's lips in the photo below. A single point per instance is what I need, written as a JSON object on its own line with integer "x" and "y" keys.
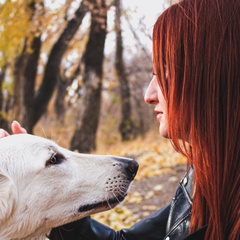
{"x": 159, "y": 115}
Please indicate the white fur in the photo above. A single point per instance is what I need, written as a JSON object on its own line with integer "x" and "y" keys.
{"x": 35, "y": 196}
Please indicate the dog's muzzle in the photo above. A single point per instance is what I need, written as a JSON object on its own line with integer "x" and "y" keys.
{"x": 117, "y": 185}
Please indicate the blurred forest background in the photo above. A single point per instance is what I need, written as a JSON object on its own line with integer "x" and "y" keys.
{"x": 76, "y": 71}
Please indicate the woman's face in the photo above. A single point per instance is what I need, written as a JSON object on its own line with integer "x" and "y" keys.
{"x": 154, "y": 96}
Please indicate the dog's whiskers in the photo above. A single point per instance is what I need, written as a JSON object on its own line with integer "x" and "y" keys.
{"x": 122, "y": 191}
{"x": 116, "y": 197}
{"x": 109, "y": 204}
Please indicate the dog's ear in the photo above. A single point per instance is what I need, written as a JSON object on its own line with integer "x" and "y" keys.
{"x": 7, "y": 196}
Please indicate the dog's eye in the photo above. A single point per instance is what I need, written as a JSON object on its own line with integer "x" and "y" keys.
{"x": 53, "y": 160}
{"x": 56, "y": 158}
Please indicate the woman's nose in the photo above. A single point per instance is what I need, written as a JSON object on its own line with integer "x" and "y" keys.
{"x": 151, "y": 95}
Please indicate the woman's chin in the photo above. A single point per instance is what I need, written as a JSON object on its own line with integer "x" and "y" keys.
{"x": 163, "y": 132}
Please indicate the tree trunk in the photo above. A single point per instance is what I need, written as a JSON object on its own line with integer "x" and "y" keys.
{"x": 127, "y": 126}
{"x": 3, "y": 120}
{"x": 59, "y": 104}
{"x": 59, "y": 101}
{"x": 84, "y": 139}
{"x": 29, "y": 80}
{"x": 52, "y": 69}
{"x": 25, "y": 73}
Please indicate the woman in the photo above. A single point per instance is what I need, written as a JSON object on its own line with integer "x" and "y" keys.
{"x": 196, "y": 92}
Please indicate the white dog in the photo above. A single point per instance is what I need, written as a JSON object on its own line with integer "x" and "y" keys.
{"x": 43, "y": 185}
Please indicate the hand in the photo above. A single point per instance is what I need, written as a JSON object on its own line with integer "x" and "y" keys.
{"x": 16, "y": 129}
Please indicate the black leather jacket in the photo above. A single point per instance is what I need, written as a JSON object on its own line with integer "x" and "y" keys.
{"x": 169, "y": 223}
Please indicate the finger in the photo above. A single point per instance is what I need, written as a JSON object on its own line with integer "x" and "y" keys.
{"x": 17, "y": 128}
{"x": 3, "y": 133}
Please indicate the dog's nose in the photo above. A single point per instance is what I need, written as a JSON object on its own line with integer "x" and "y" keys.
{"x": 130, "y": 165}
{"x": 132, "y": 168}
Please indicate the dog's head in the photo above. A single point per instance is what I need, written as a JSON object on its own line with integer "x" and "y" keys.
{"x": 43, "y": 185}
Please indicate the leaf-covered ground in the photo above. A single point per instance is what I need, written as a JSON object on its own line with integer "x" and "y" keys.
{"x": 160, "y": 170}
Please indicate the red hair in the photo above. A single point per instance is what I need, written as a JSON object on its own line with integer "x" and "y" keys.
{"x": 196, "y": 56}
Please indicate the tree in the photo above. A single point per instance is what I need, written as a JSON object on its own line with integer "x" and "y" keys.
{"x": 35, "y": 103}
{"x": 127, "y": 127}
{"x": 63, "y": 83}
{"x": 3, "y": 120}
{"x": 15, "y": 26}
{"x": 84, "y": 138}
